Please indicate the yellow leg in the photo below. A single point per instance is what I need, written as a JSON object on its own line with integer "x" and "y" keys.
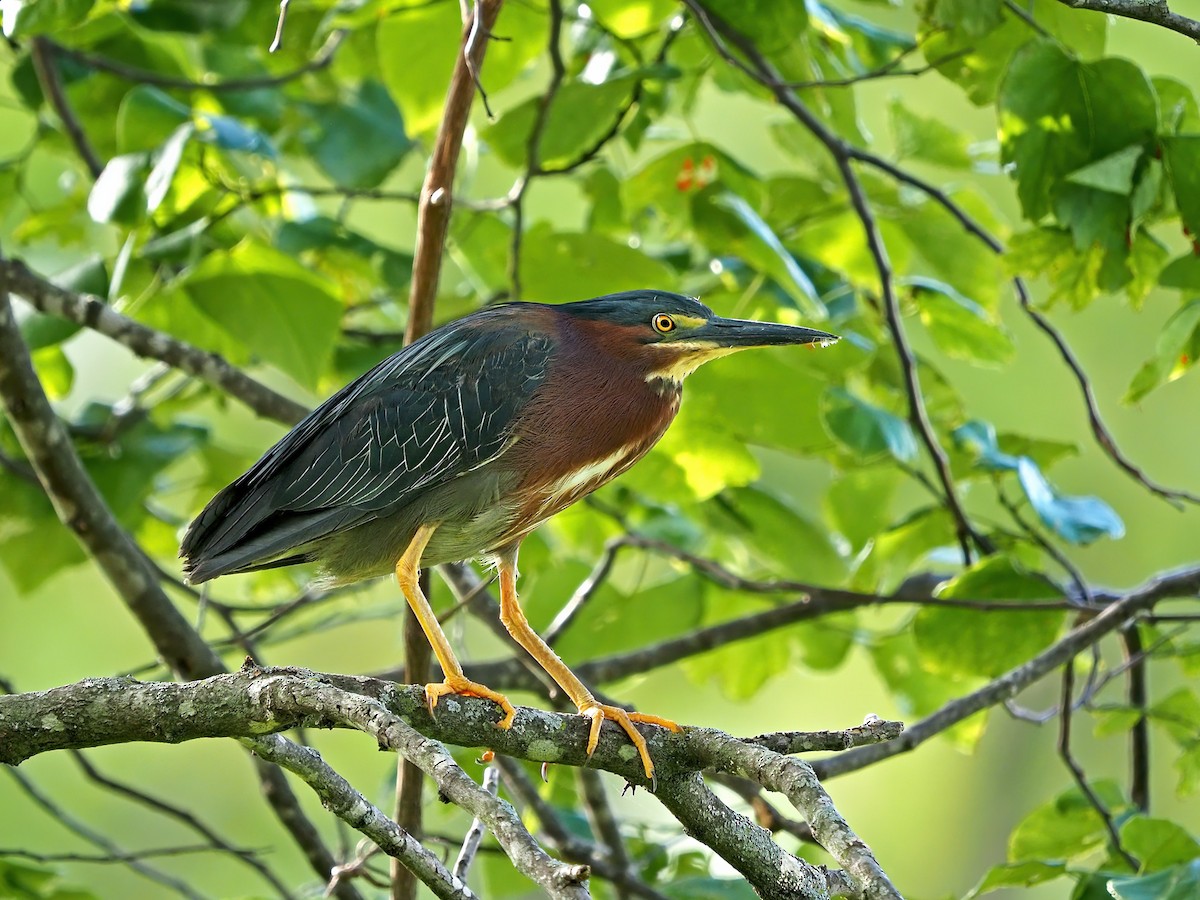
{"x": 518, "y": 626}
{"x": 407, "y": 572}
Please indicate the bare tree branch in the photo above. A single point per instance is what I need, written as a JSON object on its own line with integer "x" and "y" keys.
{"x": 81, "y": 508}
{"x": 1183, "y": 582}
{"x": 92, "y": 312}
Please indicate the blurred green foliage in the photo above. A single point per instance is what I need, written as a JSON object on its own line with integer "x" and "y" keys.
{"x": 274, "y": 225}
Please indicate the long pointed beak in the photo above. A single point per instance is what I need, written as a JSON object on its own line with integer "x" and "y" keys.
{"x": 741, "y": 333}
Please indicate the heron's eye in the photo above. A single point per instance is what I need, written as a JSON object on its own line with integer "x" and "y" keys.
{"x": 663, "y": 323}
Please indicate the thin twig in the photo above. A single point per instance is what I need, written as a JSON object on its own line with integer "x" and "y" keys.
{"x": 1100, "y": 431}
{"x": 1183, "y": 582}
{"x": 47, "y": 74}
{"x": 92, "y": 312}
{"x": 96, "y": 839}
{"x": 761, "y": 71}
{"x": 474, "y": 836}
{"x": 215, "y": 841}
{"x": 563, "y": 839}
{"x": 1066, "y": 707}
{"x": 321, "y": 60}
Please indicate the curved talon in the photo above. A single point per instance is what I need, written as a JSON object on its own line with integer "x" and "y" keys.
{"x": 456, "y": 684}
{"x": 599, "y": 712}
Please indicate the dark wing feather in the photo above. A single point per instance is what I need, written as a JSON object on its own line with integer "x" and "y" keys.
{"x": 435, "y": 410}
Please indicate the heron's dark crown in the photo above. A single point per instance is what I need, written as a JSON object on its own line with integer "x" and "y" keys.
{"x": 635, "y": 307}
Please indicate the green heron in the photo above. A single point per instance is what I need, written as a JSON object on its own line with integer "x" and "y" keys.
{"x": 461, "y": 444}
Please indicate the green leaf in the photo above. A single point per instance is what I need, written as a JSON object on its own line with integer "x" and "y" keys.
{"x": 858, "y": 504}
{"x": 740, "y": 669}
{"x": 728, "y": 224}
{"x": 710, "y": 457}
{"x": 118, "y": 195}
{"x": 961, "y": 328}
{"x": 557, "y": 267}
{"x": 1113, "y": 173}
{"x": 54, "y": 371}
{"x": 866, "y": 429}
{"x": 1175, "y": 350}
{"x": 147, "y": 118}
{"x": 1023, "y": 874}
{"x": 918, "y": 691}
{"x": 928, "y": 139}
{"x": 580, "y": 115}
{"x": 1182, "y": 158}
{"x": 774, "y": 28}
{"x": 769, "y": 530}
{"x": 972, "y": 42}
{"x": 1158, "y": 843}
{"x": 1066, "y": 827}
{"x": 271, "y": 304}
{"x": 969, "y": 642}
{"x": 360, "y": 139}
{"x": 666, "y": 182}
{"x": 158, "y": 182}
{"x": 632, "y": 18}
{"x": 1178, "y": 714}
{"x": 1074, "y": 276}
{"x": 417, "y": 45}
{"x": 1177, "y": 106}
{"x": 1182, "y": 273}
{"x": 1177, "y": 883}
{"x": 1080, "y": 520}
{"x": 1057, "y": 114}
{"x": 25, "y": 18}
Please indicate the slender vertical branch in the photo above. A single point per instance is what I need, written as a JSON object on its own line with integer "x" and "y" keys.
{"x": 433, "y": 221}
{"x": 1065, "y": 709}
{"x": 1139, "y": 734}
{"x": 433, "y": 213}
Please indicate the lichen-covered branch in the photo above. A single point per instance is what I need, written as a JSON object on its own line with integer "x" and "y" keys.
{"x": 256, "y": 702}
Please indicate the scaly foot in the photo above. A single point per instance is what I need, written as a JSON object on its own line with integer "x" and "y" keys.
{"x": 457, "y": 684}
{"x": 599, "y": 712}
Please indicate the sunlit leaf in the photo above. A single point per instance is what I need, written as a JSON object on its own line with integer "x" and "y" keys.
{"x": 272, "y": 304}
{"x": 866, "y": 429}
{"x": 1058, "y": 114}
{"x": 360, "y": 138}
{"x": 1158, "y": 843}
{"x": 1175, "y": 351}
{"x": 1022, "y": 874}
{"x": 1066, "y": 827}
{"x": 961, "y": 328}
{"x": 967, "y": 642}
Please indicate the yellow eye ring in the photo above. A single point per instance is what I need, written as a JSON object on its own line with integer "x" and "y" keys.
{"x": 663, "y": 323}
